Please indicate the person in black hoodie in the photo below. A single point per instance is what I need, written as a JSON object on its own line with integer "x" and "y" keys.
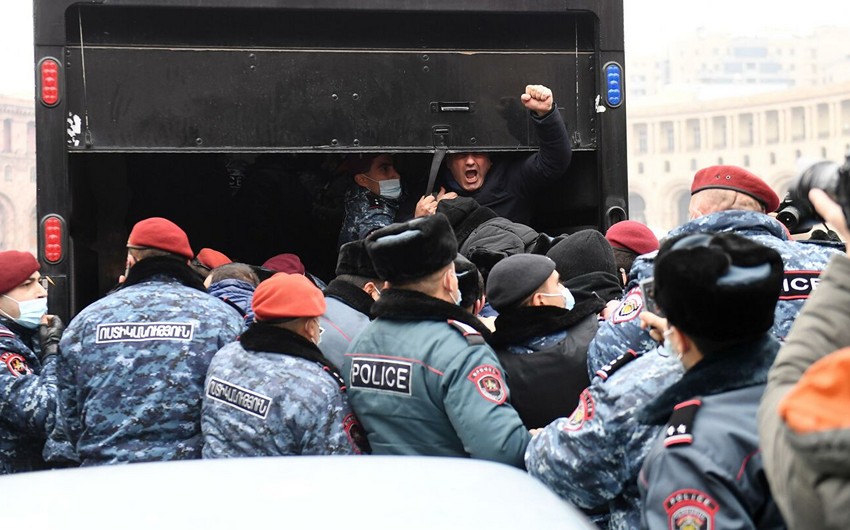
{"x": 541, "y": 336}
{"x": 588, "y": 268}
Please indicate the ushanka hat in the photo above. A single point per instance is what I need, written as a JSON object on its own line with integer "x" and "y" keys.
{"x": 354, "y": 260}
{"x": 405, "y": 252}
{"x": 721, "y": 287}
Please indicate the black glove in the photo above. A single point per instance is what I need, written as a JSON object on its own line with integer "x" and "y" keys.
{"x": 49, "y": 335}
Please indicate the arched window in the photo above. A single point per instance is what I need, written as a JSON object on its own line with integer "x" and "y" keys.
{"x": 637, "y": 208}
{"x": 683, "y": 200}
{"x": 5, "y": 225}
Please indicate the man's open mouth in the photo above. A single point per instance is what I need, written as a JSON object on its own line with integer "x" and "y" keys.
{"x": 471, "y": 174}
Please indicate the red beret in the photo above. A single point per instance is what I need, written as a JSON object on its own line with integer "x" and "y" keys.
{"x": 211, "y": 259}
{"x": 288, "y": 263}
{"x": 736, "y": 179}
{"x": 161, "y": 234}
{"x": 15, "y": 268}
{"x": 632, "y": 235}
{"x": 287, "y": 296}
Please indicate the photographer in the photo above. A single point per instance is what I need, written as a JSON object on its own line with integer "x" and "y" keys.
{"x": 803, "y": 420}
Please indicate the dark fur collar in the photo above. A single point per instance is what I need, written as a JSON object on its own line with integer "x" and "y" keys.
{"x": 147, "y": 268}
{"x": 744, "y": 365}
{"x": 350, "y": 295}
{"x": 523, "y": 323}
{"x": 402, "y": 304}
{"x": 263, "y": 337}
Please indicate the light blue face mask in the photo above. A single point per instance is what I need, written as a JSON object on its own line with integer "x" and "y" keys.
{"x": 31, "y": 312}
{"x": 390, "y": 189}
{"x": 569, "y": 299}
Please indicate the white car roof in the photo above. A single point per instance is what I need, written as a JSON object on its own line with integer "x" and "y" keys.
{"x": 302, "y": 492}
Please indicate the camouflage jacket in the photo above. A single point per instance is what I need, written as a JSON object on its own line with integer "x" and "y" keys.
{"x": 268, "y": 395}
{"x": 365, "y": 212}
{"x": 27, "y": 400}
{"x": 592, "y": 458}
{"x": 131, "y": 372}
{"x": 804, "y": 261}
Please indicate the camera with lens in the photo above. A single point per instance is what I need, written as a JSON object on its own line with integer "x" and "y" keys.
{"x": 797, "y": 213}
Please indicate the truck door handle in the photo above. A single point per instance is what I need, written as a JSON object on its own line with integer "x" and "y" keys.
{"x": 452, "y": 106}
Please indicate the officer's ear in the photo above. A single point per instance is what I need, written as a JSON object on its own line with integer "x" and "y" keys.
{"x": 361, "y": 180}
{"x": 479, "y": 305}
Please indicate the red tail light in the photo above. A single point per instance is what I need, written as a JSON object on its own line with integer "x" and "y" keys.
{"x": 48, "y": 78}
{"x": 53, "y": 238}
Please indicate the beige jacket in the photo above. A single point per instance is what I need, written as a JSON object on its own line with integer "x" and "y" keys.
{"x": 805, "y": 443}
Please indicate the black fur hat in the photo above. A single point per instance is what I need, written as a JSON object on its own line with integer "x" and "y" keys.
{"x": 353, "y": 259}
{"x": 405, "y": 252}
{"x": 720, "y": 287}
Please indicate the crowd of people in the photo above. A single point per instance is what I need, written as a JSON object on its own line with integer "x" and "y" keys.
{"x": 645, "y": 383}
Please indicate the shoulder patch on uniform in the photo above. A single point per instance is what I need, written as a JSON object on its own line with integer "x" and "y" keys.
{"x": 16, "y": 363}
{"x": 381, "y": 374}
{"x": 629, "y": 308}
{"x": 239, "y": 398}
{"x": 472, "y": 336}
{"x": 688, "y": 509}
{"x": 798, "y": 285}
{"x": 356, "y": 434}
{"x": 612, "y": 366}
{"x": 680, "y": 427}
{"x": 583, "y": 412}
{"x": 488, "y": 380}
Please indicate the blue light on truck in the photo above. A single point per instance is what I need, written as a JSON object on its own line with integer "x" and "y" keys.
{"x": 613, "y": 84}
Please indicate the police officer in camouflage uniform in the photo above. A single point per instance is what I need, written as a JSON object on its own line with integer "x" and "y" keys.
{"x": 131, "y": 373}
{"x": 593, "y": 457}
{"x": 273, "y": 393}
{"x": 421, "y": 378}
{"x": 372, "y": 200}
{"x": 719, "y": 294}
{"x": 29, "y": 341}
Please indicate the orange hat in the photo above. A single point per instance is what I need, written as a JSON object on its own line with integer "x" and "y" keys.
{"x": 818, "y": 402}
{"x": 15, "y": 268}
{"x": 633, "y": 236}
{"x": 736, "y": 179}
{"x": 211, "y": 259}
{"x": 287, "y": 296}
{"x": 161, "y": 234}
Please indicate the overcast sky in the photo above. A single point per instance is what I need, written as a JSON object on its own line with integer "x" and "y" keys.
{"x": 650, "y": 25}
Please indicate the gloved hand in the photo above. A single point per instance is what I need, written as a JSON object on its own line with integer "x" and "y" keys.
{"x": 49, "y": 335}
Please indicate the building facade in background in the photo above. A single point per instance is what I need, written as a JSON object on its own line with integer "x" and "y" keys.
{"x": 17, "y": 174}
{"x": 775, "y": 135}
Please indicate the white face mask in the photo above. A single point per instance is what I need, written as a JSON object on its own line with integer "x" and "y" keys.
{"x": 669, "y": 350}
{"x": 31, "y": 312}
{"x": 390, "y": 189}
{"x": 569, "y": 299}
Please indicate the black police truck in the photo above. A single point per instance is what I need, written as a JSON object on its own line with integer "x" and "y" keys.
{"x": 230, "y": 117}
